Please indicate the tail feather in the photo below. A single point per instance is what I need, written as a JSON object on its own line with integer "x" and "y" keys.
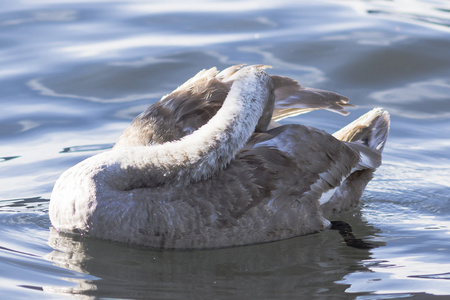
{"x": 370, "y": 130}
{"x": 367, "y": 135}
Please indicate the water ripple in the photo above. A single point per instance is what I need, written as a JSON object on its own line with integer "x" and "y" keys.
{"x": 433, "y": 14}
{"x": 84, "y": 148}
{"x": 6, "y": 158}
{"x": 433, "y": 276}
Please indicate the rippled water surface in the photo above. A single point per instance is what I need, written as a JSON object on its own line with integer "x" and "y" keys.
{"x": 74, "y": 74}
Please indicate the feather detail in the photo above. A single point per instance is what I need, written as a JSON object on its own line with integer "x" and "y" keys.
{"x": 201, "y": 168}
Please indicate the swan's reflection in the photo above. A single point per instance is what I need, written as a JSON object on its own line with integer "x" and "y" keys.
{"x": 308, "y": 265}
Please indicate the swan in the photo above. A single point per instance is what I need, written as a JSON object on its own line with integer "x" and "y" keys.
{"x": 209, "y": 166}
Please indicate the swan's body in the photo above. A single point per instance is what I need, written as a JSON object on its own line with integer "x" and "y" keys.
{"x": 201, "y": 169}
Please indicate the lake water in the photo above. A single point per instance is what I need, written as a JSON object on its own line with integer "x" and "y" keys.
{"x": 74, "y": 74}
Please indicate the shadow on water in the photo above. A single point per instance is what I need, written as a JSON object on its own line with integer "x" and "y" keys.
{"x": 299, "y": 267}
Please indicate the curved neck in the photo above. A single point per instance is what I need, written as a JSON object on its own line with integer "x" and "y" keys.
{"x": 203, "y": 153}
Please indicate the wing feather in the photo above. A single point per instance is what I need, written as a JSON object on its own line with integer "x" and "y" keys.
{"x": 193, "y": 104}
{"x": 291, "y": 99}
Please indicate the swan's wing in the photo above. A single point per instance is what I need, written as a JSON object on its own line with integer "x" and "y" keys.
{"x": 323, "y": 161}
{"x": 308, "y": 162}
{"x": 181, "y": 112}
{"x": 291, "y": 99}
{"x": 193, "y": 104}
{"x": 196, "y": 101}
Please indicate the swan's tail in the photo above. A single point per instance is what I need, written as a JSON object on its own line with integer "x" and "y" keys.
{"x": 370, "y": 129}
{"x": 368, "y": 135}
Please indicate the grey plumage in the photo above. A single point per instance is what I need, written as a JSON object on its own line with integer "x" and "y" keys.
{"x": 182, "y": 177}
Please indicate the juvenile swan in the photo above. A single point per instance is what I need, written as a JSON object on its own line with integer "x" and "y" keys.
{"x": 208, "y": 166}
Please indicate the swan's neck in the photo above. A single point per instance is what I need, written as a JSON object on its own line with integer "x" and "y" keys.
{"x": 200, "y": 155}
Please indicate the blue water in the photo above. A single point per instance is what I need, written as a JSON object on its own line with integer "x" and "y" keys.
{"x": 75, "y": 73}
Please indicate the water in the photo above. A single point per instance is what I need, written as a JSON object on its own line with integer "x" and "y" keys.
{"x": 74, "y": 73}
